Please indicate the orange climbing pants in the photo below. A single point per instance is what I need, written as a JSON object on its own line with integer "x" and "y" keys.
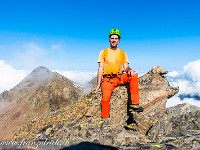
{"x": 108, "y": 85}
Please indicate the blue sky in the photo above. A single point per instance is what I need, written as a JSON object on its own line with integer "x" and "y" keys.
{"x": 69, "y": 34}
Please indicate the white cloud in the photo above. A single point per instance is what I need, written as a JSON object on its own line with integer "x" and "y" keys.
{"x": 191, "y": 84}
{"x": 9, "y": 76}
{"x": 188, "y": 83}
{"x": 173, "y": 74}
{"x": 192, "y": 70}
{"x": 81, "y": 78}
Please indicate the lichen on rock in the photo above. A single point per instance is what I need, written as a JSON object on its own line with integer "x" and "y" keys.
{"x": 82, "y": 121}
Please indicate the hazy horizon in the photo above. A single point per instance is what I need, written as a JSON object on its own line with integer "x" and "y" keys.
{"x": 188, "y": 81}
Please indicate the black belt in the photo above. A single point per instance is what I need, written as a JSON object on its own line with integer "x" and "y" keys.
{"x": 110, "y": 75}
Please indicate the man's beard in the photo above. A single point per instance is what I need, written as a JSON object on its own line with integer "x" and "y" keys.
{"x": 115, "y": 45}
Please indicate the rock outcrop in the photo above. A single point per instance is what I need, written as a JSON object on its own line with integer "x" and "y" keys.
{"x": 82, "y": 121}
{"x": 178, "y": 126}
{"x": 154, "y": 90}
{"x": 42, "y": 91}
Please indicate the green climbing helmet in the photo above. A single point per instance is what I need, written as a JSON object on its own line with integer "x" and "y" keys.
{"x": 116, "y": 32}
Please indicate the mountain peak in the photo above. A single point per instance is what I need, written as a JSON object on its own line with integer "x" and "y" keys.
{"x": 36, "y": 77}
{"x": 39, "y": 74}
{"x": 41, "y": 69}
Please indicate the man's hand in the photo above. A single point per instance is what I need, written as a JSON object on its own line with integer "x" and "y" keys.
{"x": 129, "y": 70}
{"x": 96, "y": 88}
{"x": 132, "y": 73}
{"x": 99, "y": 77}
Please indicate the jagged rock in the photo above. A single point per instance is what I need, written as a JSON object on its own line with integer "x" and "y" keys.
{"x": 42, "y": 91}
{"x": 180, "y": 118}
{"x": 154, "y": 90}
{"x": 82, "y": 121}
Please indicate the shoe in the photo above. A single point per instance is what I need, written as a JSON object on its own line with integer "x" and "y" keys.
{"x": 136, "y": 108}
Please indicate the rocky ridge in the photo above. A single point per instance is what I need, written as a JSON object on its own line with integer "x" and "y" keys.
{"x": 155, "y": 128}
{"x": 42, "y": 91}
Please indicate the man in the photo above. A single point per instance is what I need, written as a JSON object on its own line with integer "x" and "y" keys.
{"x": 110, "y": 62}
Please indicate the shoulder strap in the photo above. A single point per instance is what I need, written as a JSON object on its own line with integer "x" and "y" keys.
{"x": 122, "y": 54}
{"x": 105, "y": 54}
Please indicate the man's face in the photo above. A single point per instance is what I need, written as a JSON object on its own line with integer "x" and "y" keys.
{"x": 114, "y": 40}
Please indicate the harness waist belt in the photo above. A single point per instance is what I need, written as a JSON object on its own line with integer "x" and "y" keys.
{"x": 110, "y": 75}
